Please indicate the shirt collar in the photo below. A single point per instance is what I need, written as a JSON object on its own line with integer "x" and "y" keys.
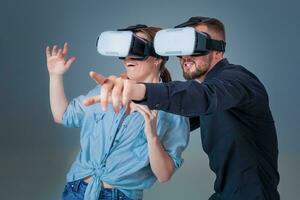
{"x": 216, "y": 68}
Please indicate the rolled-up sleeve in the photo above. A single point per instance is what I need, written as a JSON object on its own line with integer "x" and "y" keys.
{"x": 75, "y": 112}
{"x": 176, "y": 138}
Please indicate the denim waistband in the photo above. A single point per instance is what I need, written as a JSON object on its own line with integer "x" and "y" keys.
{"x": 80, "y": 186}
{"x": 112, "y": 194}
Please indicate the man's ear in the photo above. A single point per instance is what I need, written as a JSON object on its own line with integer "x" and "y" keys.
{"x": 218, "y": 55}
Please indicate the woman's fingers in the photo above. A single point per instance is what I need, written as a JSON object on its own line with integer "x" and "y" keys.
{"x": 54, "y": 50}
{"x": 154, "y": 112}
{"x": 65, "y": 50}
{"x": 48, "y": 52}
{"x": 59, "y": 53}
{"x": 143, "y": 113}
{"x": 145, "y": 109}
{"x": 70, "y": 61}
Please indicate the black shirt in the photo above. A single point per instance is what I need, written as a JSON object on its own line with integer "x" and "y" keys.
{"x": 237, "y": 128}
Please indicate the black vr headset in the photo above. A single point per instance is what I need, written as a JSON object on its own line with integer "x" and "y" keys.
{"x": 124, "y": 42}
{"x": 185, "y": 40}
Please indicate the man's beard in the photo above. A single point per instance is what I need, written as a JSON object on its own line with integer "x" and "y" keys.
{"x": 198, "y": 72}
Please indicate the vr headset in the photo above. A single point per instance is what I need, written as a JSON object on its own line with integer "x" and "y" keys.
{"x": 183, "y": 40}
{"x": 124, "y": 42}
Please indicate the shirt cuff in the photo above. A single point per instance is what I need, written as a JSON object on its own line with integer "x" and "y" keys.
{"x": 178, "y": 162}
{"x": 156, "y": 96}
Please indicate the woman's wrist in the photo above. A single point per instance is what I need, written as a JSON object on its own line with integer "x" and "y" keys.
{"x": 56, "y": 76}
{"x": 152, "y": 138}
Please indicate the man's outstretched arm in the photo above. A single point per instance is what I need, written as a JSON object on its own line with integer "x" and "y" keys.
{"x": 187, "y": 98}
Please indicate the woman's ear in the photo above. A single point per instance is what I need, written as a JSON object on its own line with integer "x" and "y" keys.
{"x": 158, "y": 61}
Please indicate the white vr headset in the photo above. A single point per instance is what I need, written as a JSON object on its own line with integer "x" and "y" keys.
{"x": 114, "y": 43}
{"x": 185, "y": 41}
{"x": 124, "y": 42}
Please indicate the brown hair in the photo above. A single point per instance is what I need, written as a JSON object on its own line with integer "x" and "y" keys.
{"x": 150, "y": 33}
{"x": 214, "y": 25}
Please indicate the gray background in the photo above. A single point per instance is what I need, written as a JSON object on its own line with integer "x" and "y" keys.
{"x": 36, "y": 153}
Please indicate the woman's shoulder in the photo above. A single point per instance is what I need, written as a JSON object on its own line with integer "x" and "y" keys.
{"x": 94, "y": 91}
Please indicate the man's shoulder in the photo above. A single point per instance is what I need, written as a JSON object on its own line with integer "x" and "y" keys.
{"x": 237, "y": 71}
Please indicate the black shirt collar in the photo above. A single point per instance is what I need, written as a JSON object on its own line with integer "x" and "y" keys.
{"x": 216, "y": 68}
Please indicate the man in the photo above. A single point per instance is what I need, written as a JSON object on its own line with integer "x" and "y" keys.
{"x": 237, "y": 127}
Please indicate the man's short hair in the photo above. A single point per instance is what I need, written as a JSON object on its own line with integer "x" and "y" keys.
{"x": 216, "y": 26}
{"x": 213, "y": 24}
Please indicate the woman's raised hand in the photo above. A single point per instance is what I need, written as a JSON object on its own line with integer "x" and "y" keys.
{"x": 150, "y": 117}
{"x": 57, "y": 62}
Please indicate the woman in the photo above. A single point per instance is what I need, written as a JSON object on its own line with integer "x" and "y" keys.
{"x": 121, "y": 154}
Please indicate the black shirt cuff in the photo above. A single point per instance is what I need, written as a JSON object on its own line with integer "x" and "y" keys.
{"x": 156, "y": 96}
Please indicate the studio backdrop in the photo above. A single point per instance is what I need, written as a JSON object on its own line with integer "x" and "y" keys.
{"x": 36, "y": 153}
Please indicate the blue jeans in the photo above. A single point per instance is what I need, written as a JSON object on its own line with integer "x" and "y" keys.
{"x": 112, "y": 194}
{"x": 75, "y": 191}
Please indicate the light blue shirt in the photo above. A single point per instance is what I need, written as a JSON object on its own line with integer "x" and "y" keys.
{"x": 114, "y": 147}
